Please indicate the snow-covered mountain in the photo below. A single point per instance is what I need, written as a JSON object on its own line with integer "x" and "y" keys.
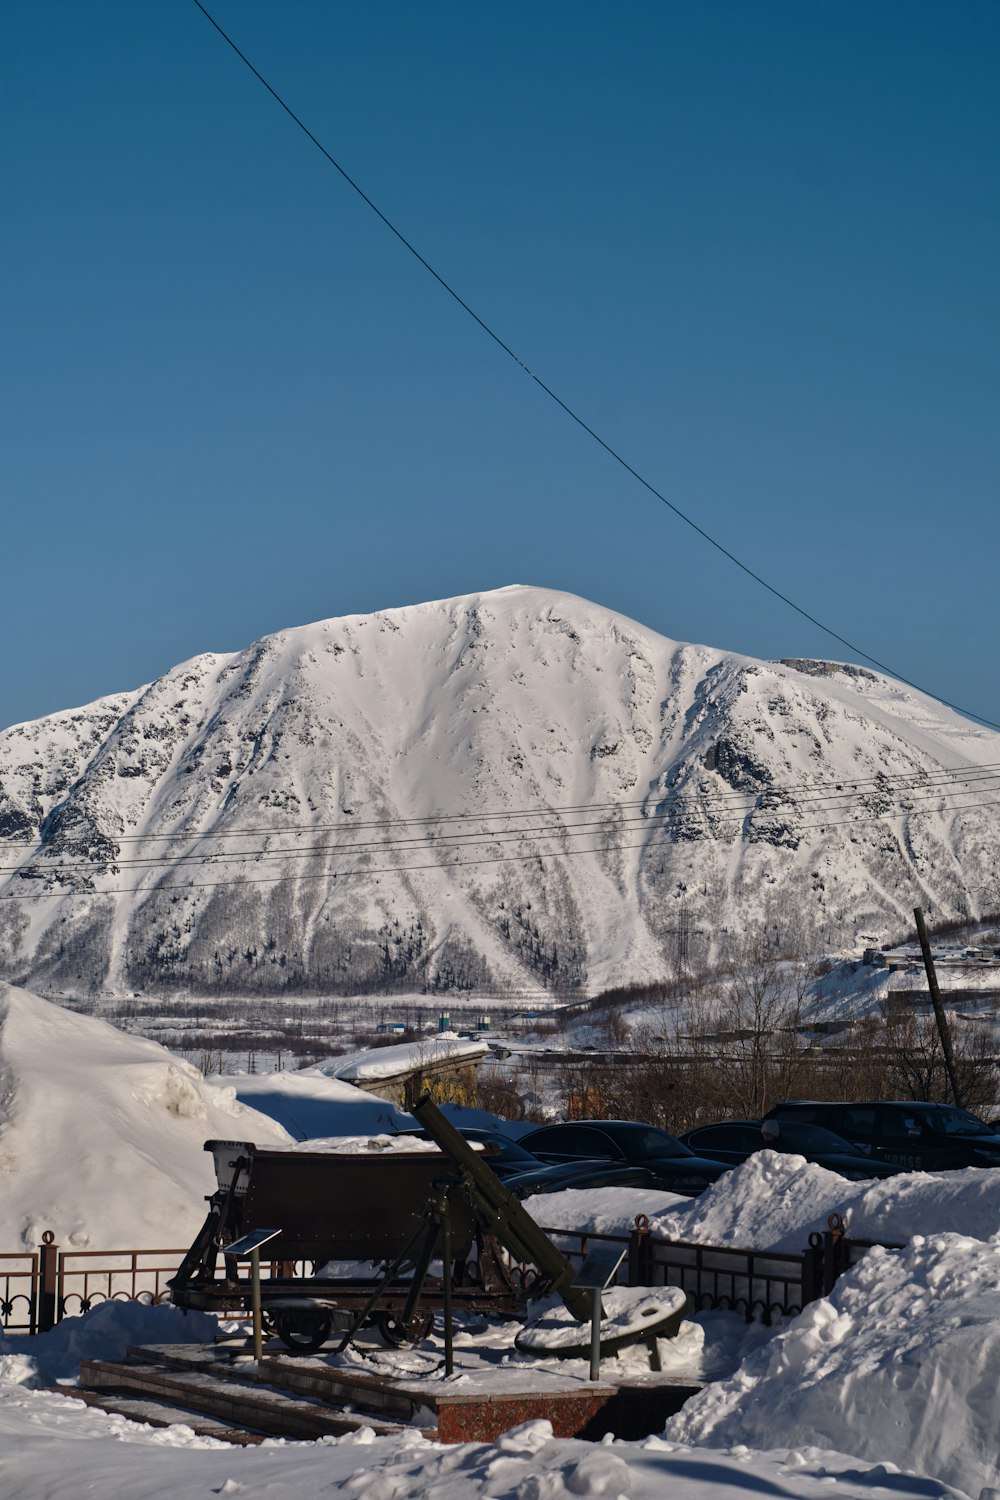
{"x": 508, "y": 790}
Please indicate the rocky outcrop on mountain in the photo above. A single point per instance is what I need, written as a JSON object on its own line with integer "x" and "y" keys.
{"x": 506, "y": 791}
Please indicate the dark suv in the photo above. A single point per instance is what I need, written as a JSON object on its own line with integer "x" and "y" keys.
{"x": 671, "y": 1165}
{"x": 921, "y": 1137}
{"x": 735, "y": 1141}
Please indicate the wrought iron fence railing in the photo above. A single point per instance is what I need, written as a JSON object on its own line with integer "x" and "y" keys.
{"x": 86, "y": 1277}
{"x": 39, "y": 1288}
{"x": 755, "y": 1283}
{"x": 19, "y": 1291}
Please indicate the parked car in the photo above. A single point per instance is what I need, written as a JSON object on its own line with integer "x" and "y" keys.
{"x": 908, "y": 1133}
{"x": 735, "y": 1141}
{"x": 671, "y": 1164}
{"x": 525, "y": 1174}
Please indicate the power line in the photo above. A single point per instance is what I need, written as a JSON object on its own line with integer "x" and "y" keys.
{"x": 526, "y": 858}
{"x": 800, "y": 792}
{"x": 568, "y": 410}
{"x": 700, "y": 808}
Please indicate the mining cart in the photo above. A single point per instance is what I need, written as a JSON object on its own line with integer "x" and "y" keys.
{"x": 355, "y": 1229}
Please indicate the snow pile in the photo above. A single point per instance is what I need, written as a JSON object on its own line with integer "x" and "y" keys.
{"x": 599, "y": 1210}
{"x": 911, "y": 1336}
{"x": 106, "y": 1332}
{"x": 51, "y": 1449}
{"x": 774, "y": 1201}
{"x": 310, "y": 1104}
{"x": 102, "y": 1134}
{"x": 354, "y": 1145}
{"x": 915, "y": 1203}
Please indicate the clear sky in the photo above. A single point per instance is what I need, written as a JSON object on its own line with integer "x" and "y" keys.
{"x": 755, "y": 243}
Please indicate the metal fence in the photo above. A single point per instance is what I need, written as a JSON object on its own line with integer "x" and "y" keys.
{"x": 754, "y": 1283}
{"x": 86, "y": 1277}
{"x": 39, "y": 1288}
{"x": 19, "y": 1292}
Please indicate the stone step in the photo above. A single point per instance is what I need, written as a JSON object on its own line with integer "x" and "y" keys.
{"x": 232, "y": 1401}
{"x": 302, "y": 1375}
{"x": 159, "y": 1414}
{"x": 294, "y": 1395}
{"x": 232, "y": 1361}
{"x": 323, "y": 1382}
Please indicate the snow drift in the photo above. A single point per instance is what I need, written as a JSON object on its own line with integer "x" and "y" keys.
{"x": 775, "y": 1200}
{"x": 102, "y": 1134}
{"x": 900, "y": 1362}
{"x": 309, "y": 1104}
{"x": 107, "y": 1331}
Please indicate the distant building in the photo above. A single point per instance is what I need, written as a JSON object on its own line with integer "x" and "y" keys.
{"x": 443, "y": 1066}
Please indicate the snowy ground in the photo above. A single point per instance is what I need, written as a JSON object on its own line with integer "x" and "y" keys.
{"x": 309, "y": 1104}
{"x": 775, "y": 1201}
{"x": 52, "y": 1448}
{"x": 896, "y": 1370}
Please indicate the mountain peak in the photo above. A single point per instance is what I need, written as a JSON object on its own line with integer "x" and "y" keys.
{"x": 510, "y": 789}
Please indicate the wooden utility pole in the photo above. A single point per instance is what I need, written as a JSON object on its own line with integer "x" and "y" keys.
{"x": 939, "y": 1015}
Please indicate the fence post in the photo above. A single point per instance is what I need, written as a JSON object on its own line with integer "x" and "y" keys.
{"x": 812, "y": 1269}
{"x": 638, "y": 1252}
{"x": 834, "y": 1259}
{"x": 48, "y": 1280}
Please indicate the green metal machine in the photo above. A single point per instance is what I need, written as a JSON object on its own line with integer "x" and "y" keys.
{"x": 501, "y": 1214}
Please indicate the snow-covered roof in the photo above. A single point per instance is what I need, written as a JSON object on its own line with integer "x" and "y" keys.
{"x": 407, "y": 1057}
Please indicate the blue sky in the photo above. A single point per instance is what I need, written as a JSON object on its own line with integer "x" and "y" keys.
{"x": 754, "y": 244}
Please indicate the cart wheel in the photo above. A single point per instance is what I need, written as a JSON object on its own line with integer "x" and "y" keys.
{"x": 303, "y": 1331}
{"x": 397, "y": 1334}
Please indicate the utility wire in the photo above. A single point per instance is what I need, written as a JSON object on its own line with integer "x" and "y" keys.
{"x": 799, "y": 792}
{"x": 446, "y": 867}
{"x": 752, "y": 803}
{"x": 612, "y": 452}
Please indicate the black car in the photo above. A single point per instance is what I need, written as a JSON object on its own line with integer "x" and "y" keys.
{"x": 909, "y": 1133}
{"x": 525, "y": 1174}
{"x": 670, "y": 1164}
{"x": 736, "y": 1141}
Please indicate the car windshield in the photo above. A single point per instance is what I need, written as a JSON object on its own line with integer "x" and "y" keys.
{"x": 640, "y": 1142}
{"x": 802, "y": 1138}
{"x": 956, "y": 1121}
{"x": 506, "y": 1149}
{"x": 725, "y": 1138}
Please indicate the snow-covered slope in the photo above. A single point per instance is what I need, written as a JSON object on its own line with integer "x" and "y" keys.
{"x": 910, "y": 1338}
{"x": 323, "y": 796}
{"x": 102, "y": 1135}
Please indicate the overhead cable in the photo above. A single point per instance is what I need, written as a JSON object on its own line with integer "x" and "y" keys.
{"x": 897, "y": 783}
{"x": 567, "y": 409}
{"x": 446, "y": 867}
{"x": 682, "y": 811}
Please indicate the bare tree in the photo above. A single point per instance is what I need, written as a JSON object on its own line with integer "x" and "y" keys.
{"x": 916, "y": 1066}
{"x": 755, "y": 1021}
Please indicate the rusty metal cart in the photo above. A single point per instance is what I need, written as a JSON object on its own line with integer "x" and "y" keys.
{"x": 347, "y": 1221}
